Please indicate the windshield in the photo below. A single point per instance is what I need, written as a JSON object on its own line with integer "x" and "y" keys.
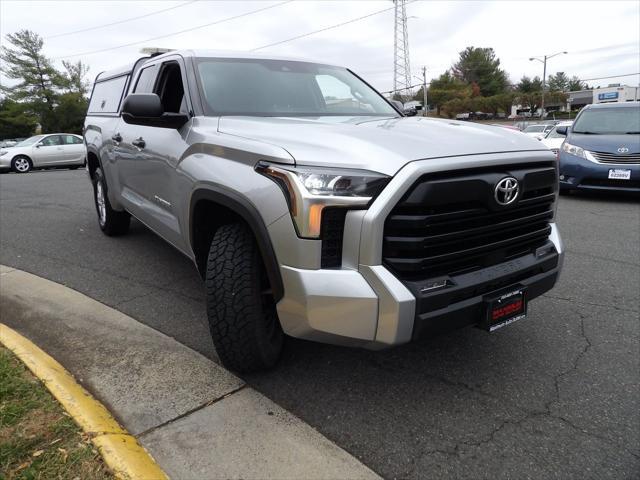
{"x": 233, "y": 86}
{"x": 534, "y": 128}
{"x": 603, "y": 121}
{"x": 29, "y": 141}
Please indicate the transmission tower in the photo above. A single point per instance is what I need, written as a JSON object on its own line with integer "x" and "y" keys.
{"x": 401, "y": 65}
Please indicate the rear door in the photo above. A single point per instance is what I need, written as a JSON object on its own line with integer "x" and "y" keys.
{"x": 74, "y": 151}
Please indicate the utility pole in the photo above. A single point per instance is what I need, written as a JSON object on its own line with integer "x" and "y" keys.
{"x": 425, "y": 108}
{"x": 543, "y": 60}
{"x": 401, "y": 66}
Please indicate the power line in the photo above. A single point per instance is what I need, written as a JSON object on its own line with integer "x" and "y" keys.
{"x": 175, "y": 33}
{"x": 612, "y": 76}
{"x": 297, "y": 37}
{"x": 119, "y": 21}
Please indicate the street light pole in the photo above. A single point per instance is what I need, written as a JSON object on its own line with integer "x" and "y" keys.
{"x": 544, "y": 85}
{"x": 424, "y": 91}
{"x": 543, "y": 60}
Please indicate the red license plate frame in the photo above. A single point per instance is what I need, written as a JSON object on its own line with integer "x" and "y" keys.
{"x": 505, "y": 308}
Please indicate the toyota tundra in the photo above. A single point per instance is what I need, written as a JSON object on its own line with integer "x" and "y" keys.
{"x": 312, "y": 207}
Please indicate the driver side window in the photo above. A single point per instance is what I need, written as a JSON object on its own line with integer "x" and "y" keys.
{"x": 50, "y": 141}
{"x": 170, "y": 89}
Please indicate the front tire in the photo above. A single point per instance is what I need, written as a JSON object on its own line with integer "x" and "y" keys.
{"x": 21, "y": 164}
{"x": 240, "y": 306}
{"x": 111, "y": 222}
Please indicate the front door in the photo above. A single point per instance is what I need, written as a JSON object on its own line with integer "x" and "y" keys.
{"x": 150, "y": 155}
{"x": 48, "y": 151}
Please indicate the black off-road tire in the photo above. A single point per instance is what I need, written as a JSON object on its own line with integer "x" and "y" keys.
{"x": 240, "y": 306}
{"x": 111, "y": 222}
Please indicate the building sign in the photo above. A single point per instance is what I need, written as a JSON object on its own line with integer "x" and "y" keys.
{"x": 608, "y": 96}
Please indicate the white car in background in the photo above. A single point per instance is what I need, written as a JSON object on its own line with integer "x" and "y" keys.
{"x": 553, "y": 140}
{"x": 51, "y": 150}
{"x": 538, "y": 130}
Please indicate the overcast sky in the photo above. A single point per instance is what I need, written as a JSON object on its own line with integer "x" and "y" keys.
{"x": 602, "y": 38}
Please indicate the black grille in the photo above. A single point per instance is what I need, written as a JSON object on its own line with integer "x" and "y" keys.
{"x": 451, "y": 224}
{"x": 331, "y": 233}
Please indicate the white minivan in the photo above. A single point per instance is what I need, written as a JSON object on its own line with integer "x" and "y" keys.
{"x": 51, "y": 150}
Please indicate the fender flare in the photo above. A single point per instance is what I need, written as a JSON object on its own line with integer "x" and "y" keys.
{"x": 245, "y": 210}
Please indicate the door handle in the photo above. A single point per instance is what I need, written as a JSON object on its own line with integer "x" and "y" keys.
{"x": 117, "y": 138}
{"x": 139, "y": 142}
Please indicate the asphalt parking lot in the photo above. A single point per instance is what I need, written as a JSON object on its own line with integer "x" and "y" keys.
{"x": 554, "y": 396}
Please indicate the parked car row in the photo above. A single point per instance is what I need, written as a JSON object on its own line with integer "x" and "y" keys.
{"x": 44, "y": 151}
{"x": 479, "y": 116}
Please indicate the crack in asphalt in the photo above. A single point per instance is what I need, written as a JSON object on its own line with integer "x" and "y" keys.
{"x": 592, "y": 304}
{"x": 528, "y": 414}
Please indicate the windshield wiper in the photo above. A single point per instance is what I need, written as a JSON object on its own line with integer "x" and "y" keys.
{"x": 632, "y": 133}
{"x": 586, "y": 132}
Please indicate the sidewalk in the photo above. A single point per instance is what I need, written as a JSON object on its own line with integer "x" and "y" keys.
{"x": 195, "y": 418}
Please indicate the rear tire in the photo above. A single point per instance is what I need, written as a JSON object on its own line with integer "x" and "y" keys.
{"x": 240, "y": 306}
{"x": 21, "y": 164}
{"x": 111, "y": 222}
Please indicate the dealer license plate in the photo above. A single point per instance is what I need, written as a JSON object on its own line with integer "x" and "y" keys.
{"x": 505, "y": 308}
{"x": 620, "y": 174}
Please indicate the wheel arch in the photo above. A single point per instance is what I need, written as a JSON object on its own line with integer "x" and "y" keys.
{"x": 229, "y": 206}
{"x": 93, "y": 162}
{"x": 23, "y": 155}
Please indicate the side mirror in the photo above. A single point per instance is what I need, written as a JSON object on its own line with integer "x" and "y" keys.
{"x": 562, "y": 130}
{"x": 146, "y": 109}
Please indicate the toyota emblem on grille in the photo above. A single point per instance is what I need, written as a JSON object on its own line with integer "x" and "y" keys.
{"x": 623, "y": 150}
{"x": 506, "y": 191}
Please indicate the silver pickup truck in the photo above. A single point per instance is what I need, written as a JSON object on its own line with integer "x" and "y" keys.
{"x": 312, "y": 207}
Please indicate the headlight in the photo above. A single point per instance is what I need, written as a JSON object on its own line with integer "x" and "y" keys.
{"x": 577, "y": 151}
{"x": 3, "y": 152}
{"x": 309, "y": 190}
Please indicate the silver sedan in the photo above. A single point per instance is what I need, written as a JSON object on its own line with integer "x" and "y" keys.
{"x": 52, "y": 150}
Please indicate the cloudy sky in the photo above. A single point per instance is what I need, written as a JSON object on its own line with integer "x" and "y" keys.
{"x": 602, "y": 38}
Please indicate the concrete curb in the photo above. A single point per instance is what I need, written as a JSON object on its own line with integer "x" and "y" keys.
{"x": 126, "y": 458}
{"x": 194, "y": 417}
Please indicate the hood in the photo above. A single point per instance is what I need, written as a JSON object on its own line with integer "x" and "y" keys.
{"x": 605, "y": 143}
{"x": 383, "y": 145}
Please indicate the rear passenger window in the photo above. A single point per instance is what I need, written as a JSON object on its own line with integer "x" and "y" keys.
{"x": 107, "y": 95}
{"x": 70, "y": 140}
